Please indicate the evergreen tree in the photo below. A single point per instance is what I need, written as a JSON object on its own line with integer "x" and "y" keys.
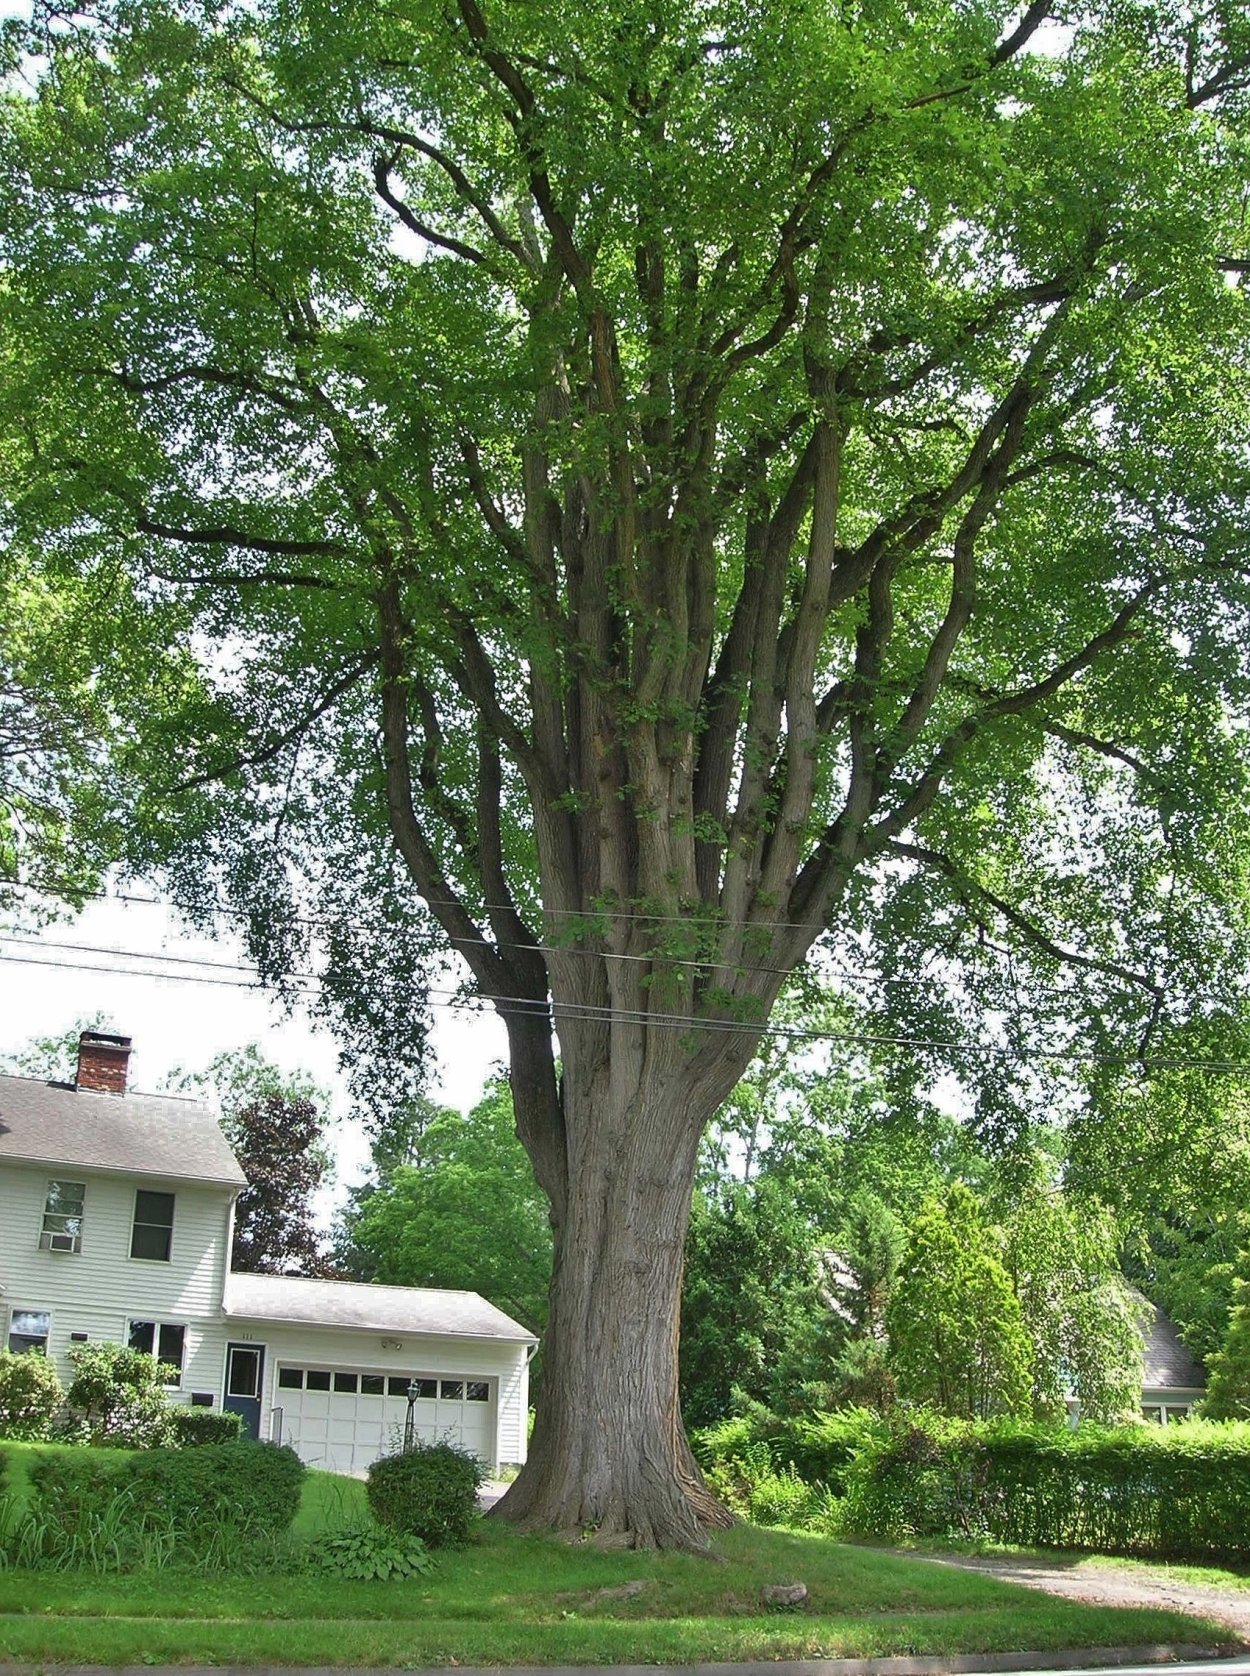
{"x": 1228, "y": 1387}
{"x": 957, "y": 1336}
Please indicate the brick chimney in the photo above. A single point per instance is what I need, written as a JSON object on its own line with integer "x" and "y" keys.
{"x": 102, "y": 1061}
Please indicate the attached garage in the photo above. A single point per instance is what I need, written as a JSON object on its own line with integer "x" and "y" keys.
{"x": 343, "y": 1418}
{"x": 332, "y": 1365}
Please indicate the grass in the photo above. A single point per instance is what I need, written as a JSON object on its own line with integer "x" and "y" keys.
{"x": 516, "y": 1599}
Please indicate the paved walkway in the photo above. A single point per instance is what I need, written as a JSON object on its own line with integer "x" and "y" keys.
{"x": 1102, "y": 1584}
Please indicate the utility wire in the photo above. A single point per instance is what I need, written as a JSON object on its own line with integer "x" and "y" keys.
{"x": 710, "y": 962}
{"x": 584, "y": 1011}
{"x": 588, "y": 915}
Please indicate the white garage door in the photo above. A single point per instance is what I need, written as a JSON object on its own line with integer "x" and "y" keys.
{"x": 342, "y": 1419}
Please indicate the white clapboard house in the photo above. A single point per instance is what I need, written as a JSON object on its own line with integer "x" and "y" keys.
{"x": 116, "y": 1215}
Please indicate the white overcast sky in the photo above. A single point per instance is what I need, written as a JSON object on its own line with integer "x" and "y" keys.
{"x": 179, "y": 1023}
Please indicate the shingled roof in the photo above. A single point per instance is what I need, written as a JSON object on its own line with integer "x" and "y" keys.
{"x": 1166, "y": 1362}
{"x": 130, "y": 1134}
{"x": 386, "y": 1309}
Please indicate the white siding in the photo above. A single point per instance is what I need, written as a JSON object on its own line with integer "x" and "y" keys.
{"x": 99, "y": 1289}
{"x": 499, "y": 1361}
{"x": 514, "y": 1402}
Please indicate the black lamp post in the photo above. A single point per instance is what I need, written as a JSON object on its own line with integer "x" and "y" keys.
{"x": 410, "y": 1426}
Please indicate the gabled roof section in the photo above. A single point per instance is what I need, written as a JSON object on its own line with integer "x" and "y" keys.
{"x": 382, "y": 1309}
{"x": 131, "y": 1134}
{"x": 1167, "y": 1364}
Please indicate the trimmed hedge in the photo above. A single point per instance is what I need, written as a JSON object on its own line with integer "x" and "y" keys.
{"x": 211, "y": 1502}
{"x": 195, "y": 1426}
{"x": 429, "y": 1491}
{"x": 72, "y": 1485}
{"x": 254, "y": 1485}
{"x": 1173, "y": 1492}
{"x": 1176, "y": 1492}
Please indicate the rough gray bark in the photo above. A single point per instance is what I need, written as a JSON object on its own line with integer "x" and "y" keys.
{"x": 609, "y": 1453}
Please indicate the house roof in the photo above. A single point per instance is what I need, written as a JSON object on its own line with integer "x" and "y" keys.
{"x": 384, "y": 1309}
{"x": 132, "y": 1134}
{"x": 1166, "y": 1362}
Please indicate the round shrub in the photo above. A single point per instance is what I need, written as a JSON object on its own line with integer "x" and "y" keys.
{"x": 30, "y": 1395}
{"x": 121, "y": 1395}
{"x": 430, "y": 1491}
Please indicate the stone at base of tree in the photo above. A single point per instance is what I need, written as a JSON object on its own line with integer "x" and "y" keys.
{"x": 784, "y": 1596}
{"x": 623, "y": 1591}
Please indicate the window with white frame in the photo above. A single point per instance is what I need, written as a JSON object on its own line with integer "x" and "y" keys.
{"x": 29, "y": 1329}
{"x": 152, "y": 1234}
{"x": 166, "y": 1340}
{"x": 62, "y": 1216}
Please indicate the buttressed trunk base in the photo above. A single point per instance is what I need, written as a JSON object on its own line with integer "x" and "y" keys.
{"x": 609, "y": 1454}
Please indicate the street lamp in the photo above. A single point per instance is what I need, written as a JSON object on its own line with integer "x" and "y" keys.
{"x": 410, "y": 1425}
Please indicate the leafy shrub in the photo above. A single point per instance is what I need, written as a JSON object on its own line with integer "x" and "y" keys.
{"x": 369, "y": 1554}
{"x": 251, "y": 1486}
{"x": 821, "y": 1448}
{"x": 69, "y": 1483}
{"x": 430, "y": 1491}
{"x": 30, "y": 1395}
{"x": 1176, "y": 1492}
{"x": 782, "y": 1498}
{"x": 120, "y": 1393}
{"x": 734, "y": 1477}
{"x": 77, "y": 1515}
{"x": 217, "y": 1505}
{"x": 194, "y": 1426}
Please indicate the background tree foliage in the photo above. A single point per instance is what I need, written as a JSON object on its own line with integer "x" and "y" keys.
{"x": 462, "y": 1210}
{"x": 276, "y": 1123}
{"x": 958, "y": 1341}
{"x": 644, "y": 493}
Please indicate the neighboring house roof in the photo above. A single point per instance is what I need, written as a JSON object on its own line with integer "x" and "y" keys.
{"x": 1166, "y": 1362}
{"x": 383, "y": 1309}
{"x": 130, "y": 1134}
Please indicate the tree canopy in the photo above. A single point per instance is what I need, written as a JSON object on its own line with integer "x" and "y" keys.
{"x": 643, "y": 493}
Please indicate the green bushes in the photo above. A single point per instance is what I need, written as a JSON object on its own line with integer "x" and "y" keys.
{"x": 821, "y": 1448}
{"x": 30, "y": 1395}
{"x": 217, "y": 1505}
{"x": 1175, "y": 1492}
{"x": 193, "y": 1426}
{"x": 430, "y": 1491}
{"x": 120, "y": 1394}
{"x": 1180, "y": 1492}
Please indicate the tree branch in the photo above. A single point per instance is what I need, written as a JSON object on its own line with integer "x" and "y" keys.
{"x": 227, "y": 535}
{"x": 382, "y": 167}
{"x": 1020, "y": 36}
{"x": 968, "y": 887}
{"x": 255, "y": 759}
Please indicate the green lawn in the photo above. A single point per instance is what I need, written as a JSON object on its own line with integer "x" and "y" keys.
{"x": 516, "y": 1599}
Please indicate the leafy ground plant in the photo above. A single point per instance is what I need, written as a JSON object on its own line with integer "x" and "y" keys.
{"x": 368, "y": 1554}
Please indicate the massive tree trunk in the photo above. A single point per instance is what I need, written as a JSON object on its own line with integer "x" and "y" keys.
{"x": 609, "y": 1453}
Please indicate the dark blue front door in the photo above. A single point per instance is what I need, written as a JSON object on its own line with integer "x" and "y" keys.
{"x": 245, "y": 1368}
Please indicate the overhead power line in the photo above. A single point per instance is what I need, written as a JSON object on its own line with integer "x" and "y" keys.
{"x": 308, "y": 985}
{"x": 586, "y": 915}
{"x": 705, "y": 963}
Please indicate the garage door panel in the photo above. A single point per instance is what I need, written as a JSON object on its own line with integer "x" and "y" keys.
{"x": 345, "y": 1427}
